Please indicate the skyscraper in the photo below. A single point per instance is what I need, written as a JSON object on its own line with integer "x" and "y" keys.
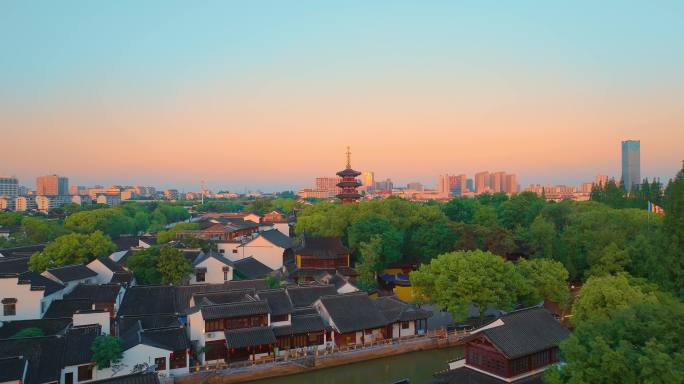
{"x": 367, "y": 180}
{"x": 9, "y": 187}
{"x": 631, "y": 163}
{"x": 511, "y": 185}
{"x": 52, "y": 185}
{"x": 481, "y": 182}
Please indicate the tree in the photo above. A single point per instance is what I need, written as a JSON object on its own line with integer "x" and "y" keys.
{"x": 457, "y": 279}
{"x": 432, "y": 239}
{"x": 74, "y": 248}
{"x": 674, "y": 208}
{"x": 106, "y": 351}
{"x": 461, "y": 209}
{"x": 602, "y": 297}
{"x": 545, "y": 280}
{"x": 608, "y": 261}
{"x": 542, "y": 234}
{"x": 41, "y": 230}
{"x": 172, "y": 265}
{"x": 520, "y": 210}
{"x": 166, "y": 236}
{"x": 370, "y": 263}
{"x": 28, "y": 332}
{"x": 111, "y": 221}
{"x": 143, "y": 263}
{"x": 642, "y": 343}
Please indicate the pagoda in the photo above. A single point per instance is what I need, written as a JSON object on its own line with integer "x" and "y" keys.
{"x": 348, "y": 183}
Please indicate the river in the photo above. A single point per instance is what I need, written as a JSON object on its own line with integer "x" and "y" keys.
{"x": 416, "y": 366}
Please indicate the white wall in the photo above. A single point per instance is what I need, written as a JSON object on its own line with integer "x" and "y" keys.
{"x": 214, "y": 274}
{"x": 226, "y": 249}
{"x": 145, "y": 354}
{"x": 100, "y": 317}
{"x": 104, "y": 274}
{"x": 264, "y": 251}
{"x": 284, "y": 228}
{"x": 28, "y": 304}
{"x": 411, "y": 330}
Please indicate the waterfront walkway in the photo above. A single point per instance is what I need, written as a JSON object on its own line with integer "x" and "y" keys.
{"x": 298, "y": 361}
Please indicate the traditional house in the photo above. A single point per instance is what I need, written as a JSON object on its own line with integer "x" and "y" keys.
{"x": 212, "y": 268}
{"x": 354, "y": 319}
{"x": 317, "y": 254}
{"x": 14, "y": 370}
{"x": 251, "y": 268}
{"x": 276, "y": 220}
{"x": 269, "y": 247}
{"x": 71, "y": 275}
{"x": 77, "y": 359}
{"x": 27, "y": 295}
{"x": 163, "y": 350}
{"x": 304, "y": 296}
{"x": 41, "y": 356}
{"x": 341, "y": 283}
{"x": 49, "y": 327}
{"x": 403, "y": 318}
{"x": 110, "y": 271}
{"x": 515, "y": 348}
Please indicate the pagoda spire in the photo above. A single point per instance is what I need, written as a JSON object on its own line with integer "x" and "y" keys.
{"x": 348, "y": 157}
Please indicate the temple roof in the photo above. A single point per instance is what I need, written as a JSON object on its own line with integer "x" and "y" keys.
{"x": 348, "y": 172}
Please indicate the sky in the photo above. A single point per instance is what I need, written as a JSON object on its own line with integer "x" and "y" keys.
{"x": 266, "y": 95}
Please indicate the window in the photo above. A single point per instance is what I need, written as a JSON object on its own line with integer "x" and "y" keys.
{"x": 9, "y": 306}
{"x": 200, "y": 276}
{"x": 85, "y": 372}
{"x": 405, "y": 325}
{"x": 160, "y": 362}
{"x": 278, "y": 318}
{"x": 222, "y": 251}
{"x": 234, "y": 250}
{"x": 178, "y": 359}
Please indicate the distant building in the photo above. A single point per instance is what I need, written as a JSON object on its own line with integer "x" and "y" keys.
{"x": 586, "y": 187}
{"x": 7, "y": 203}
{"x": 48, "y": 203}
{"x": 511, "y": 185}
{"x": 497, "y": 181}
{"x": 367, "y": 180}
{"x": 601, "y": 180}
{"x": 111, "y": 200}
{"x": 482, "y": 182}
{"x": 24, "y": 203}
{"x": 9, "y": 187}
{"x": 470, "y": 185}
{"x": 52, "y": 185}
{"x": 452, "y": 185}
{"x": 631, "y": 163}
{"x": 415, "y": 186}
{"x": 171, "y": 194}
{"x": 384, "y": 186}
{"x": 328, "y": 185}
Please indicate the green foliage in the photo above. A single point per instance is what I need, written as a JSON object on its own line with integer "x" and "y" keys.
{"x": 73, "y": 248}
{"x": 641, "y": 343}
{"x": 602, "y": 297}
{"x": 164, "y": 237}
{"x": 389, "y": 238}
{"x": 674, "y": 209}
{"x": 273, "y": 282}
{"x": 106, "y": 351}
{"x": 370, "y": 263}
{"x": 10, "y": 218}
{"x": 454, "y": 280}
{"x": 143, "y": 263}
{"x": 39, "y": 230}
{"x": 520, "y": 210}
{"x": 28, "y": 332}
{"x": 172, "y": 265}
{"x": 545, "y": 279}
{"x": 461, "y": 209}
{"x": 541, "y": 237}
{"x": 431, "y": 239}
{"x": 111, "y": 221}
{"x": 220, "y": 206}
{"x": 609, "y": 260}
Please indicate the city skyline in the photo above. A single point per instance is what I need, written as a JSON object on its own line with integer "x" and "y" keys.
{"x": 416, "y": 90}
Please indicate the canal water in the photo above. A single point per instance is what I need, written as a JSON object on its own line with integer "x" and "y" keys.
{"x": 416, "y": 366}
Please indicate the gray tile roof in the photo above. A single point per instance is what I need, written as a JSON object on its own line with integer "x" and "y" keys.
{"x": 256, "y": 284}
{"x": 13, "y": 265}
{"x": 467, "y": 375}
{"x": 305, "y": 296}
{"x": 172, "y": 339}
{"x": 12, "y": 369}
{"x": 223, "y": 297}
{"x": 67, "y": 307}
{"x": 277, "y": 238}
{"x": 111, "y": 264}
{"x": 211, "y": 254}
{"x": 395, "y": 309}
{"x": 100, "y": 293}
{"x": 74, "y": 272}
{"x": 301, "y": 324}
{"x": 41, "y": 352}
{"x": 248, "y": 337}
{"x": 147, "y": 322}
{"x": 49, "y": 327}
{"x": 252, "y": 268}
{"x": 136, "y": 378}
{"x": 525, "y": 332}
{"x": 78, "y": 342}
{"x": 278, "y": 301}
{"x": 222, "y": 311}
{"x": 321, "y": 247}
{"x": 353, "y": 312}
{"x": 39, "y": 282}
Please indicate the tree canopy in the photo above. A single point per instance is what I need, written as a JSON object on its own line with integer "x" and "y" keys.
{"x": 73, "y": 248}
{"x": 106, "y": 350}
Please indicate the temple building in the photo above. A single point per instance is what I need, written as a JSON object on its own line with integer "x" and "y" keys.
{"x": 349, "y": 184}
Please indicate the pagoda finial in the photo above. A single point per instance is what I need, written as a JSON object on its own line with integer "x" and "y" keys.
{"x": 348, "y": 158}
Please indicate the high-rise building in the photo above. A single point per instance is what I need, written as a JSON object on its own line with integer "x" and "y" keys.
{"x": 511, "y": 185}
{"x": 470, "y": 185}
{"x": 415, "y": 186}
{"x": 601, "y": 180}
{"x": 384, "y": 186}
{"x": 497, "y": 180}
{"x": 367, "y": 179}
{"x": 328, "y": 184}
{"x": 452, "y": 185}
{"x": 482, "y": 182}
{"x": 444, "y": 185}
{"x": 9, "y": 187}
{"x": 631, "y": 163}
{"x": 52, "y": 185}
